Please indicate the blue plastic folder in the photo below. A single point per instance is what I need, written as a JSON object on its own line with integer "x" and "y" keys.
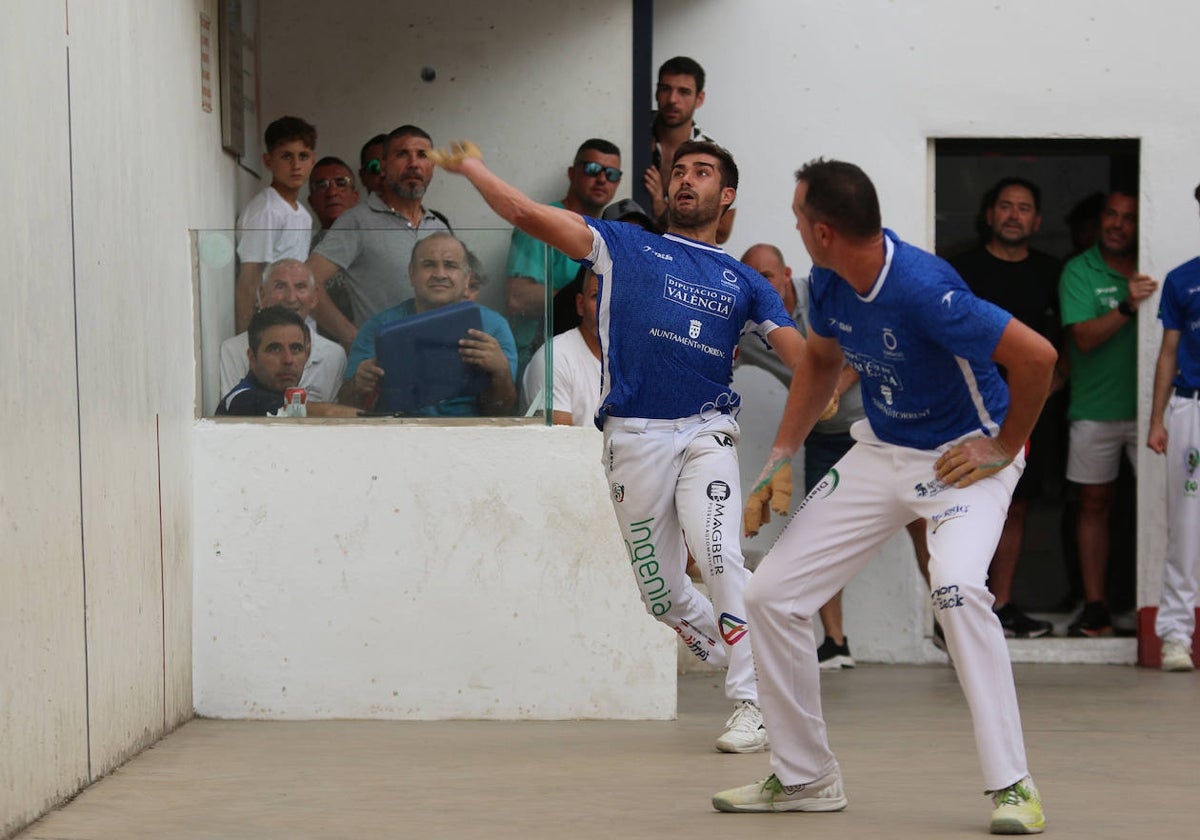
{"x": 421, "y": 360}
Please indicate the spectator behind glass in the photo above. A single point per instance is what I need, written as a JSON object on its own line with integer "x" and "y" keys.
{"x": 370, "y": 161}
{"x": 277, "y": 351}
{"x": 331, "y": 192}
{"x": 591, "y": 183}
{"x": 274, "y": 224}
{"x": 476, "y": 279}
{"x": 439, "y": 276}
{"x": 372, "y": 242}
{"x": 289, "y": 283}
{"x": 576, "y": 375}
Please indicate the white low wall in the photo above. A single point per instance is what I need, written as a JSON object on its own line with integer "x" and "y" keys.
{"x": 410, "y": 571}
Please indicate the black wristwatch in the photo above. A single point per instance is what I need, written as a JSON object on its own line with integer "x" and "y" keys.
{"x": 1125, "y": 309}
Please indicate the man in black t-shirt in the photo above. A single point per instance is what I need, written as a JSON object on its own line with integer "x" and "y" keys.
{"x": 1007, "y": 272}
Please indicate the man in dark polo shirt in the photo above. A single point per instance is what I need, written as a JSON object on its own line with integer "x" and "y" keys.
{"x": 279, "y": 345}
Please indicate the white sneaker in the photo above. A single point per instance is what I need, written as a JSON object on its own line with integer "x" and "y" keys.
{"x": 744, "y": 731}
{"x": 1176, "y": 656}
{"x": 825, "y": 794}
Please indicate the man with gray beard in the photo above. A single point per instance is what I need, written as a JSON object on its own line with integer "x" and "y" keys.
{"x": 372, "y": 242}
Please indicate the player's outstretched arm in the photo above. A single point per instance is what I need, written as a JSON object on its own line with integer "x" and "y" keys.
{"x": 559, "y": 228}
{"x": 1029, "y": 360}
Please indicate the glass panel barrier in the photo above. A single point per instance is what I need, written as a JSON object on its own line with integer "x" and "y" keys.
{"x": 448, "y": 339}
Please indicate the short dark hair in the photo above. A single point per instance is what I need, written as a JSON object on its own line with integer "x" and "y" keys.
{"x": 596, "y": 144}
{"x": 404, "y": 131}
{"x": 729, "y": 170}
{"x": 273, "y": 316}
{"x": 1127, "y": 190}
{"x": 330, "y": 160}
{"x": 378, "y": 139}
{"x": 681, "y": 65}
{"x": 841, "y": 196}
{"x": 993, "y": 195}
{"x": 287, "y": 129}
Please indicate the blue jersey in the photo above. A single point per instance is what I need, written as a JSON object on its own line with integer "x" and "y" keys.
{"x": 922, "y": 344}
{"x": 1179, "y": 309}
{"x": 671, "y": 310}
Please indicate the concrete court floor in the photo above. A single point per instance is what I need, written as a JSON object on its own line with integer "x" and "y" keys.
{"x": 1114, "y": 750}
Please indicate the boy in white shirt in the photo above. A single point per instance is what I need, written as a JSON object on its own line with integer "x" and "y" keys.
{"x": 274, "y": 224}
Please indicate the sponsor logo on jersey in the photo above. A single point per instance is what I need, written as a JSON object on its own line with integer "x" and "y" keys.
{"x": 887, "y": 393}
{"x": 732, "y": 628}
{"x": 729, "y": 278}
{"x": 946, "y": 597}
{"x": 723, "y": 440}
{"x": 947, "y": 299}
{"x": 694, "y": 329}
{"x": 949, "y": 515}
{"x": 698, "y": 297}
{"x": 645, "y": 568}
{"x": 870, "y": 368}
{"x": 659, "y": 254}
{"x": 618, "y": 492}
{"x": 714, "y": 527}
{"x": 889, "y": 339}
{"x": 718, "y": 491}
{"x": 841, "y": 326}
{"x": 655, "y": 332}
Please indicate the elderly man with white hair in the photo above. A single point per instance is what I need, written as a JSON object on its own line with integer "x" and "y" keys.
{"x": 289, "y": 283}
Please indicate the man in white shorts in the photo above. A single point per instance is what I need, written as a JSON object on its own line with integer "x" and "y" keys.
{"x": 942, "y": 441}
{"x": 1175, "y": 432}
{"x": 671, "y": 309}
{"x": 1100, "y": 292}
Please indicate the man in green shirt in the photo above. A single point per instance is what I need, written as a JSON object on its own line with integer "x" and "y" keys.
{"x": 592, "y": 181}
{"x": 1100, "y": 293}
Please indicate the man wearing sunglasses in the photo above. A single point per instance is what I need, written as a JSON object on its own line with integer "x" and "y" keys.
{"x": 331, "y": 192}
{"x": 591, "y": 183}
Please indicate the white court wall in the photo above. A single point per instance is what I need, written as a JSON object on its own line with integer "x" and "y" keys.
{"x": 415, "y": 571}
{"x": 872, "y": 82}
{"x": 111, "y": 160}
{"x": 527, "y": 81}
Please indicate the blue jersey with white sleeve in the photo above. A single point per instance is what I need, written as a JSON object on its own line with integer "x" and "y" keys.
{"x": 922, "y": 344}
{"x": 671, "y": 310}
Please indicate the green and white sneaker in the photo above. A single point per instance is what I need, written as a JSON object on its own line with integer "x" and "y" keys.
{"x": 825, "y": 794}
{"x": 1018, "y": 809}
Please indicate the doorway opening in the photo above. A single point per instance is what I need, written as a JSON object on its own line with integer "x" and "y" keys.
{"x": 1074, "y": 176}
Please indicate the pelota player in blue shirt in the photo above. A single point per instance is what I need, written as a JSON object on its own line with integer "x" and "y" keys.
{"x": 671, "y": 309}
{"x": 943, "y": 441}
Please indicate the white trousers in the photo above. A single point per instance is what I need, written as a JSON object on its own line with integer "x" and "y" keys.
{"x": 677, "y": 480}
{"x": 874, "y": 491}
{"x": 1176, "y": 610}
